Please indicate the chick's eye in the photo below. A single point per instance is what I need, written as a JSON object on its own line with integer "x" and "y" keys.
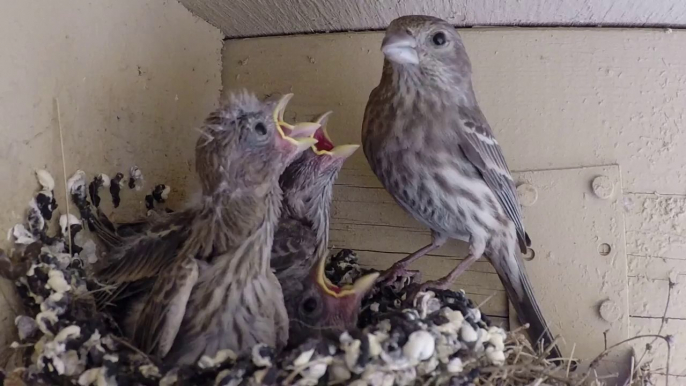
{"x": 439, "y": 38}
{"x": 260, "y": 128}
{"x": 309, "y": 305}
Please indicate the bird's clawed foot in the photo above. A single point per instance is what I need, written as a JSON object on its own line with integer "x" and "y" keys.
{"x": 440, "y": 284}
{"x": 399, "y": 272}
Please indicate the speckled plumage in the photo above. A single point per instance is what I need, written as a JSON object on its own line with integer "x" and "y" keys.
{"x": 303, "y": 232}
{"x": 199, "y": 280}
{"x": 427, "y": 140}
{"x": 301, "y": 241}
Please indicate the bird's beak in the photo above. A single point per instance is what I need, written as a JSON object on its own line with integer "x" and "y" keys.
{"x": 325, "y": 145}
{"x": 400, "y": 47}
{"x": 343, "y": 151}
{"x": 300, "y": 134}
{"x": 358, "y": 289}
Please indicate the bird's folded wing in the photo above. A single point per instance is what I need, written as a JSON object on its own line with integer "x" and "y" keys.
{"x": 104, "y": 229}
{"x": 164, "y": 309}
{"x": 130, "y": 229}
{"x": 481, "y": 148}
{"x": 146, "y": 254}
{"x": 294, "y": 244}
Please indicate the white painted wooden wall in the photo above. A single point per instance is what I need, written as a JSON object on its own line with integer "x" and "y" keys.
{"x": 246, "y": 18}
{"x": 556, "y": 98}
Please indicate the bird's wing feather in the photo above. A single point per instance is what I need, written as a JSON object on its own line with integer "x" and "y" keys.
{"x": 144, "y": 256}
{"x": 104, "y": 229}
{"x": 481, "y": 148}
{"x": 141, "y": 260}
{"x": 130, "y": 229}
{"x": 294, "y": 245}
{"x": 161, "y": 317}
{"x": 111, "y": 234}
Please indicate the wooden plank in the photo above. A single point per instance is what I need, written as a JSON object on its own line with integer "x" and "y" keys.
{"x": 241, "y": 18}
{"x": 499, "y": 321}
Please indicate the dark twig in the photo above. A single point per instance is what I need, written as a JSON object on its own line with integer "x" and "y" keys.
{"x": 649, "y": 346}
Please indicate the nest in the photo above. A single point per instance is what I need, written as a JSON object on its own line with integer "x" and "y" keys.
{"x": 443, "y": 339}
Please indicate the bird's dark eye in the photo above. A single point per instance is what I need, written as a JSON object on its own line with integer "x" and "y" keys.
{"x": 309, "y": 305}
{"x": 260, "y": 128}
{"x": 439, "y": 38}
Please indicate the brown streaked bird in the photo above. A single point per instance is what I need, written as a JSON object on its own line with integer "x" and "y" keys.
{"x": 301, "y": 239}
{"x": 431, "y": 147}
{"x": 199, "y": 280}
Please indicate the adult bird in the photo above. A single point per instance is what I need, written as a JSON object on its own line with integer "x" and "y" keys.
{"x": 199, "y": 280}
{"x": 315, "y": 306}
{"x": 431, "y": 147}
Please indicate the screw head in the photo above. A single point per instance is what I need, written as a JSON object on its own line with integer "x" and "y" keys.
{"x": 604, "y": 249}
{"x": 528, "y": 194}
{"x": 609, "y": 311}
{"x": 603, "y": 187}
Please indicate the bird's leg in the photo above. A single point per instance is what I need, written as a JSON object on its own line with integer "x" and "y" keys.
{"x": 399, "y": 269}
{"x": 476, "y": 250}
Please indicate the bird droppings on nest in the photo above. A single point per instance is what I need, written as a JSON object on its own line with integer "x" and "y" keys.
{"x": 45, "y": 199}
{"x": 149, "y": 202}
{"x": 136, "y": 179}
{"x": 101, "y": 180}
{"x": 38, "y": 216}
{"x": 70, "y": 342}
{"x": 115, "y": 188}
{"x": 70, "y": 228}
{"x": 159, "y": 194}
{"x": 442, "y": 339}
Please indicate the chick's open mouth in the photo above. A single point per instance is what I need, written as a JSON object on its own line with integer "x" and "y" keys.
{"x": 324, "y": 143}
{"x": 360, "y": 287}
{"x": 315, "y": 131}
{"x": 300, "y": 134}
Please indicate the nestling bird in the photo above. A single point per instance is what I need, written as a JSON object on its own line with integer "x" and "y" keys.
{"x": 307, "y": 185}
{"x": 427, "y": 140}
{"x": 314, "y": 305}
{"x": 199, "y": 280}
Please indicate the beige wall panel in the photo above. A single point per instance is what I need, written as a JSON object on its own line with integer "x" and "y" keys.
{"x": 556, "y": 98}
{"x": 132, "y": 78}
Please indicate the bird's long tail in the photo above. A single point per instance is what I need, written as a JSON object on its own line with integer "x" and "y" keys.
{"x": 521, "y": 294}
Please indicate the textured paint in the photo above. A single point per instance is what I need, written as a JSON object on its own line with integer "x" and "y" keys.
{"x": 676, "y": 328}
{"x": 133, "y": 78}
{"x": 240, "y": 18}
{"x": 556, "y": 98}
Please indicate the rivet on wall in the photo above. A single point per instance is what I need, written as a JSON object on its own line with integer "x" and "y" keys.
{"x": 604, "y": 249}
{"x": 603, "y": 187}
{"x": 609, "y": 311}
{"x": 528, "y": 194}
